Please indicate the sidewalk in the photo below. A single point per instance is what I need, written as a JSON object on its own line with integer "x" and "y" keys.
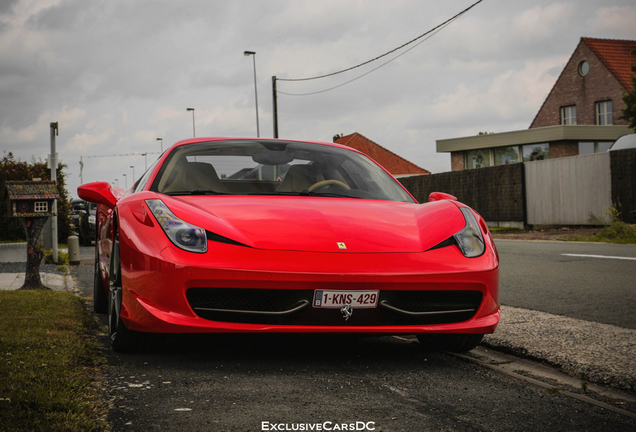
{"x": 57, "y": 282}
{"x": 590, "y": 351}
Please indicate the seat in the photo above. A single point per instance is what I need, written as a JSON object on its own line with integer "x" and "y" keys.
{"x": 196, "y": 176}
{"x": 300, "y": 178}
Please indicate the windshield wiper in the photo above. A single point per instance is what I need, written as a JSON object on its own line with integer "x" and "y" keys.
{"x": 196, "y": 192}
{"x": 326, "y": 194}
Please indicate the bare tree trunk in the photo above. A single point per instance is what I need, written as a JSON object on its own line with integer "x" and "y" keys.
{"x": 35, "y": 254}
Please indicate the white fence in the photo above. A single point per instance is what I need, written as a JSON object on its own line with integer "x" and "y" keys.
{"x": 566, "y": 191}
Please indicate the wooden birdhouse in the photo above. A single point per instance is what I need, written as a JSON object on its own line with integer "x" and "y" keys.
{"x": 29, "y": 199}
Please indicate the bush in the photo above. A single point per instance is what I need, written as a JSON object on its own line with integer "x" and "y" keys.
{"x": 614, "y": 231}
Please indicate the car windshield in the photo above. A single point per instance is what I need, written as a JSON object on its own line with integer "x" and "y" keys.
{"x": 261, "y": 167}
{"x": 79, "y": 205}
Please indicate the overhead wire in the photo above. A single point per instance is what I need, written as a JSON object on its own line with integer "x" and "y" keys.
{"x": 430, "y": 33}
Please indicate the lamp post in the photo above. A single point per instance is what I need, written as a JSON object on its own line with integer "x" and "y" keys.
{"x": 253, "y": 54}
{"x": 161, "y": 139}
{"x": 133, "y": 168}
{"x": 193, "y": 129}
{"x": 145, "y": 155}
{"x": 125, "y": 182}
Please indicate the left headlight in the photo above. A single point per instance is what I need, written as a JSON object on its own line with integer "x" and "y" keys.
{"x": 470, "y": 240}
{"x": 184, "y": 235}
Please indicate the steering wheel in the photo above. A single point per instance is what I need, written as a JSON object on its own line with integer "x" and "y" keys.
{"x": 324, "y": 183}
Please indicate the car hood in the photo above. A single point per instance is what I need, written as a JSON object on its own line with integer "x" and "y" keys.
{"x": 322, "y": 224}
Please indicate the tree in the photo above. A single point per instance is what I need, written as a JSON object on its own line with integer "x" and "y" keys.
{"x": 629, "y": 113}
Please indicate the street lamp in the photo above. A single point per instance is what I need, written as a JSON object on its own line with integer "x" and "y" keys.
{"x": 193, "y": 129}
{"x": 125, "y": 181}
{"x": 133, "y": 168}
{"x": 161, "y": 139}
{"x": 253, "y": 54}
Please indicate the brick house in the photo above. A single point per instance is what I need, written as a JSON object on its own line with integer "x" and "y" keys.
{"x": 579, "y": 115}
{"x": 396, "y": 165}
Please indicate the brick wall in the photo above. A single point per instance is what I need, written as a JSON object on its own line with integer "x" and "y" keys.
{"x": 623, "y": 170}
{"x": 573, "y": 89}
{"x": 559, "y": 149}
{"x": 458, "y": 161}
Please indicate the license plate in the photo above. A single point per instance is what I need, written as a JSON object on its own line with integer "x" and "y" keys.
{"x": 338, "y": 299}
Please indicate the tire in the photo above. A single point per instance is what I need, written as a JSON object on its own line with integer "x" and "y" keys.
{"x": 100, "y": 298}
{"x": 458, "y": 343}
{"x": 123, "y": 340}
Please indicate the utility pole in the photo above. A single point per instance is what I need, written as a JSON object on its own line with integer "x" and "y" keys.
{"x": 53, "y": 162}
{"x": 275, "y": 106}
{"x": 81, "y": 170}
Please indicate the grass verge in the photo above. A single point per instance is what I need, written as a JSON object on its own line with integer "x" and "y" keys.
{"x": 49, "y": 360}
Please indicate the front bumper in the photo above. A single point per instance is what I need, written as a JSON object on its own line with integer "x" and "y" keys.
{"x": 235, "y": 289}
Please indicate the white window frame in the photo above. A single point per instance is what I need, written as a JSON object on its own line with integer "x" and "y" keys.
{"x": 568, "y": 115}
{"x": 604, "y": 117}
{"x": 41, "y": 207}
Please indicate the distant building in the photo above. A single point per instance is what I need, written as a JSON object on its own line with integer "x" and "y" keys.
{"x": 579, "y": 116}
{"x": 396, "y": 165}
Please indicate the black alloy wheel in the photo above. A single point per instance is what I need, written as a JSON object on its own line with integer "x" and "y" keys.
{"x": 121, "y": 339}
{"x": 100, "y": 297}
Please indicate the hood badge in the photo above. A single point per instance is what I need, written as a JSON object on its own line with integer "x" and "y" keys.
{"x": 347, "y": 311}
{"x": 341, "y": 245}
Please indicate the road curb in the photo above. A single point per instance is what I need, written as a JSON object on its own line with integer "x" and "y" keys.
{"x": 596, "y": 352}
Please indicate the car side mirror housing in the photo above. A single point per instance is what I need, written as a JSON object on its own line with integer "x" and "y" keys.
{"x": 437, "y": 196}
{"x": 99, "y": 193}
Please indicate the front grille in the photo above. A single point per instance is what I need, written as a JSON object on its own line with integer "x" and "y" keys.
{"x": 293, "y": 307}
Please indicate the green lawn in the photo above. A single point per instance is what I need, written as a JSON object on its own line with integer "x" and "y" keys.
{"x": 49, "y": 362}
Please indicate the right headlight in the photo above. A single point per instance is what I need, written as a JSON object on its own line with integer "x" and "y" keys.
{"x": 184, "y": 235}
{"x": 469, "y": 240}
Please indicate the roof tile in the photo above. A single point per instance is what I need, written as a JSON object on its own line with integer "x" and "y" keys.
{"x": 396, "y": 165}
{"x": 616, "y": 55}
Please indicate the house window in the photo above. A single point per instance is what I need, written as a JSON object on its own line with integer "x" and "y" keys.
{"x": 41, "y": 207}
{"x": 604, "y": 113}
{"x": 568, "y": 115}
{"x": 589, "y": 147}
{"x": 478, "y": 158}
{"x": 506, "y": 155}
{"x": 533, "y": 152}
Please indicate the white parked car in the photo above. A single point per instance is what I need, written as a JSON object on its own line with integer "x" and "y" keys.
{"x": 624, "y": 142}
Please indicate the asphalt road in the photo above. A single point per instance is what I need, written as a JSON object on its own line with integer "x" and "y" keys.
{"x": 544, "y": 276}
{"x": 238, "y": 383}
{"x": 282, "y": 382}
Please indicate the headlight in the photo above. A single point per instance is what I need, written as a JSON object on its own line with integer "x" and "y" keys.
{"x": 184, "y": 235}
{"x": 470, "y": 240}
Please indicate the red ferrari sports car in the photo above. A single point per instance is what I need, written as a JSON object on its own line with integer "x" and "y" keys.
{"x": 257, "y": 235}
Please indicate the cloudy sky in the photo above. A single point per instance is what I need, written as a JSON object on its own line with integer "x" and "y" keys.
{"x": 118, "y": 74}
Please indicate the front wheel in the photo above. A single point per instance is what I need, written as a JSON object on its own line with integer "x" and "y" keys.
{"x": 121, "y": 339}
{"x": 100, "y": 298}
{"x": 458, "y": 343}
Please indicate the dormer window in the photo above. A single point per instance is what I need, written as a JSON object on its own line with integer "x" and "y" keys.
{"x": 568, "y": 115}
{"x": 41, "y": 207}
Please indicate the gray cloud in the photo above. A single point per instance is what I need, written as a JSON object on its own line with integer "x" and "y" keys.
{"x": 119, "y": 74}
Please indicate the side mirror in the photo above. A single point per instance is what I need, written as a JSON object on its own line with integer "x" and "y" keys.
{"x": 97, "y": 192}
{"x": 437, "y": 196}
